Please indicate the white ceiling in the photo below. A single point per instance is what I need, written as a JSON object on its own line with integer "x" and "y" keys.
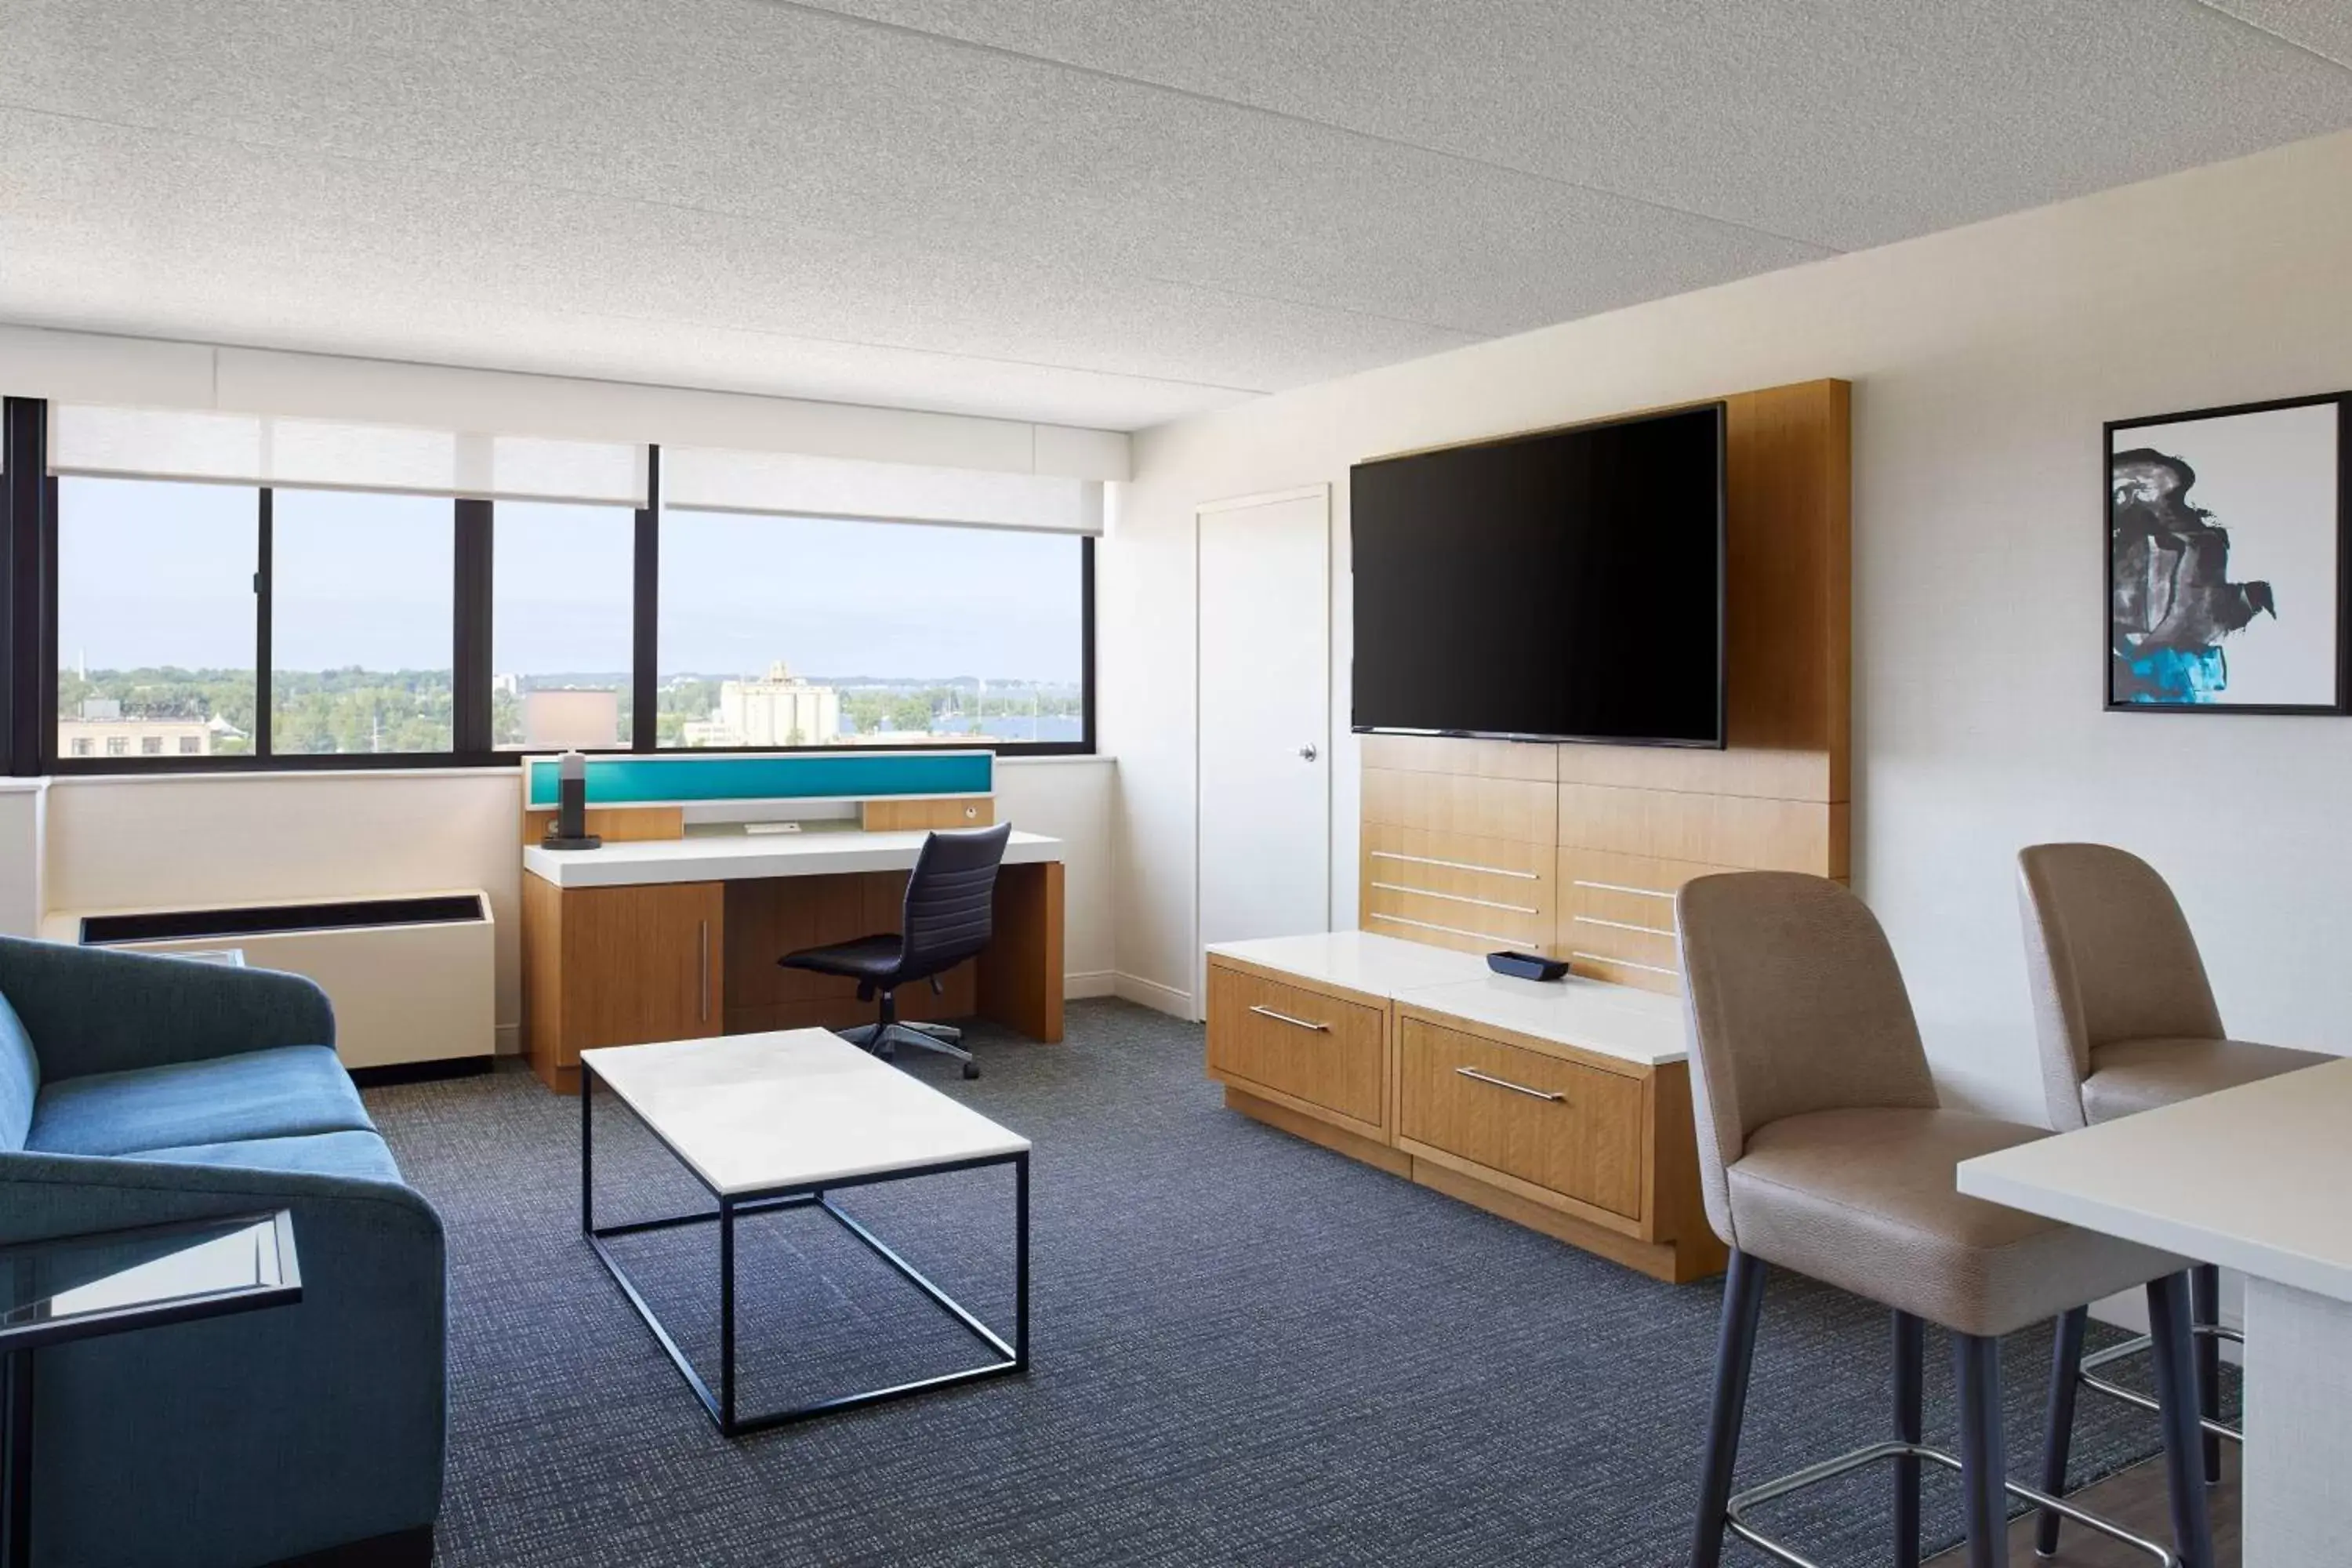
{"x": 1095, "y": 212}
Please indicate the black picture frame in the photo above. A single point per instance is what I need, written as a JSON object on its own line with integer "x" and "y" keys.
{"x": 2341, "y": 591}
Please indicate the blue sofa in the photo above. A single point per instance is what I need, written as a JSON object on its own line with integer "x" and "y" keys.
{"x": 136, "y": 1089}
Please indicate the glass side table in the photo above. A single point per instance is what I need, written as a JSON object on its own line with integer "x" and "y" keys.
{"x": 71, "y": 1287}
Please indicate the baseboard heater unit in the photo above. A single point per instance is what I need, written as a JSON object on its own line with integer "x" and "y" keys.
{"x": 413, "y": 978}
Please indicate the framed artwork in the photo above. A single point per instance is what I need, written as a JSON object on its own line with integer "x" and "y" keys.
{"x": 2227, "y": 559}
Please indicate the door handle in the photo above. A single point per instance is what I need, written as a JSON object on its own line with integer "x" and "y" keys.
{"x": 1514, "y": 1088}
{"x": 1307, "y": 754}
{"x": 702, "y": 961}
{"x": 1294, "y": 1022}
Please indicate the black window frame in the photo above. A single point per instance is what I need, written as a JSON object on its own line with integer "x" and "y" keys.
{"x": 28, "y": 642}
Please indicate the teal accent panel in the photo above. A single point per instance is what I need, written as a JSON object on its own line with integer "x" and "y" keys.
{"x": 804, "y": 775}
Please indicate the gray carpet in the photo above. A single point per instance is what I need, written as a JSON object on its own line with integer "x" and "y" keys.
{"x": 1248, "y": 1350}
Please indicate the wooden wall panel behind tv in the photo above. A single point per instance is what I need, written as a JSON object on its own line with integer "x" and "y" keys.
{"x": 1477, "y": 845}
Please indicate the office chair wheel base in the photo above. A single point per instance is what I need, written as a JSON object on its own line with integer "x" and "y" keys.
{"x": 970, "y": 1069}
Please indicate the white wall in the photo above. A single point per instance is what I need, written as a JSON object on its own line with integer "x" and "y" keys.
{"x": 24, "y": 811}
{"x": 1984, "y": 361}
{"x": 116, "y": 842}
{"x": 1070, "y": 799}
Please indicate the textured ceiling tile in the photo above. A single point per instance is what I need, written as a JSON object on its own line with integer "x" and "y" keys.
{"x": 1849, "y": 122}
{"x": 748, "y": 191}
{"x": 772, "y": 111}
{"x": 2323, "y": 26}
{"x": 133, "y": 230}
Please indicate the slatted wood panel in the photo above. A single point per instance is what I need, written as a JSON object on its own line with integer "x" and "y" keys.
{"x": 1646, "y": 820}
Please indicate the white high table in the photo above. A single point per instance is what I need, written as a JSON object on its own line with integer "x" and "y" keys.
{"x": 2258, "y": 1178}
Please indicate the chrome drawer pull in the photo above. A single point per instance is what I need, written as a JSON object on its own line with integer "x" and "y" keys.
{"x": 1507, "y": 1083}
{"x": 1295, "y": 1023}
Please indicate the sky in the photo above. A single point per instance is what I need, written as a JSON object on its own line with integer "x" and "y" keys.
{"x": 155, "y": 574}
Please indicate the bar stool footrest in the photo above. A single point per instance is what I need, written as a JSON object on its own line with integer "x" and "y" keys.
{"x": 2133, "y": 1397}
{"x": 1830, "y": 1470}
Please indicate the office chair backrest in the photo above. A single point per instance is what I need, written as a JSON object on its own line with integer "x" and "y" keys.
{"x": 950, "y": 899}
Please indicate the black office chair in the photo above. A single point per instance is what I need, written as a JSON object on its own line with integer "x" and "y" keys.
{"x": 950, "y": 903}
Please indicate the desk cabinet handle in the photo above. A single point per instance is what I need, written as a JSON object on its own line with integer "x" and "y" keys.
{"x": 1507, "y": 1083}
{"x": 1294, "y": 1022}
{"x": 702, "y": 949}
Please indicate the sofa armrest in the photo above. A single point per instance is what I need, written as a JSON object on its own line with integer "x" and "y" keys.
{"x": 89, "y": 1010}
{"x": 261, "y": 1436}
{"x": 45, "y": 1196}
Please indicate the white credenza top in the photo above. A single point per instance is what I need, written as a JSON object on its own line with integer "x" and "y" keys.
{"x": 2251, "y": 1178}
{"x": 1595, "y": 1015}
{"x": 1357, "y": 959}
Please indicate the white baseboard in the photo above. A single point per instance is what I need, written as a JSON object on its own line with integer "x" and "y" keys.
{"x": 1092, "y": 982}
{"x": 1151, "y": 994}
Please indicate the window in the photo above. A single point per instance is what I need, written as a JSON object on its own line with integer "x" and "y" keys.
{"x": 363, "y": 612}
{"x": 316, "y": 595}
{"x": 563, "y": 624}
{"x": 780, "y": 631}
{"x": 155, "y": 616}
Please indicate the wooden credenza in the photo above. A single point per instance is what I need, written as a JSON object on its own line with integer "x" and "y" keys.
{"x": 1562, "y": 1106}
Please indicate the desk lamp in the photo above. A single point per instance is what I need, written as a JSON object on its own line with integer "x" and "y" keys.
{"x": 570, "y": 829}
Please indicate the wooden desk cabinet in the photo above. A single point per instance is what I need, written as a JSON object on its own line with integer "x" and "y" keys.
{"x": 616, "y": 966}
{"x": 624, "y": 964}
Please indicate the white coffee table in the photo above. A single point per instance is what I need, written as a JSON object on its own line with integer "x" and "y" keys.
{"x": 778, "y": 1120}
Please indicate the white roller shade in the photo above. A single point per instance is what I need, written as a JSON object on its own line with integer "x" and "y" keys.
{"x": 273, "y": 449}
{"x": 705, "y": 479}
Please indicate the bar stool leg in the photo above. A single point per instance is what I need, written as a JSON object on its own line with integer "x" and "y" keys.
{"x": 2205, "y": 1311}
{"x": 2176, "y": 1394}
{"x": 1910, "y": 1380}
{"x": 1984, "y": 1467}
{"x": 1735, "y": 1353}
{"x": 2058, "y": 1431}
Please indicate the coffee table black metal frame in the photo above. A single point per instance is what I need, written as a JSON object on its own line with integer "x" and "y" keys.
{"x": 19, "y": 1342}
{"x": 1011, "y": 1358}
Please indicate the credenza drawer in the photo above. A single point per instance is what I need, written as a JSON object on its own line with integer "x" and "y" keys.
{"x": 1312, "y": 1046}
{"x": 1569, "y": 1129}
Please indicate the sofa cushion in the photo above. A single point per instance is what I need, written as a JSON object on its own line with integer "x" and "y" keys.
{"x": 20, "y": 1079}
{"x": 284, "y": 1093}
{"x": 360, "y": 1156}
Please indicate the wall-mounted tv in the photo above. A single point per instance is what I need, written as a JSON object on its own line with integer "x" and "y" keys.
{"x": 1566, "y": 586}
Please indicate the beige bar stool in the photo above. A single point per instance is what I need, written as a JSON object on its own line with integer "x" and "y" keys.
{"x": 2127, "y": 1022}
{"x": 1822, "y": 1150}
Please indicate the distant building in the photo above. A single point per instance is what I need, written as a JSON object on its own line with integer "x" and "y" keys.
{"x": 119, "y": 737}
{"x": 783, "y": 709}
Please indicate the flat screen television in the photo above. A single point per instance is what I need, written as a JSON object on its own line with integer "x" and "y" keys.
{"x": 1566, "y": 586}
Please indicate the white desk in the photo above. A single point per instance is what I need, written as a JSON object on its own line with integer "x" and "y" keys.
{"x": 726, "y": 857}
{"x": 677, "y": 938}
{"x": 2257, "y": 1179}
